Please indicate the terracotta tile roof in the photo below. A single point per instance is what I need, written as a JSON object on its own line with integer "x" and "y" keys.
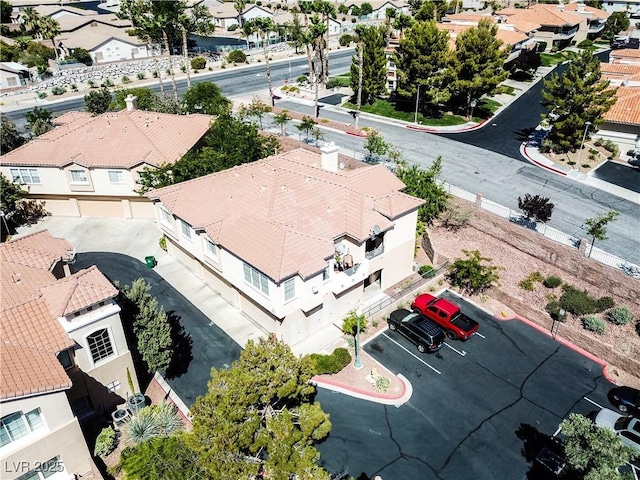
{"x": 273, "y": 212}
{"x": 620, "y": 71}
{"x": 548, "y": 15}
{"x": 21, "y": 283}
{"x": 67, "y": 10}
{"x": 70, "y": 23}
{"x": 508, "y": 37}
{"x": 31, "y": 325}
{"x": 91, "y": 38}
{"x": 27, "y": 371}
{"x": 122, "y": 139}
{"x": 593, "y": 12}
{"x": 78, "y": 291}
{"x": 633, "y": 53}
{"x": 627, "y": 109}
{"x": 39, "y": 249}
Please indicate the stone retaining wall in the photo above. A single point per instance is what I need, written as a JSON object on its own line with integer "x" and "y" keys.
{"x": 561, "y": 256}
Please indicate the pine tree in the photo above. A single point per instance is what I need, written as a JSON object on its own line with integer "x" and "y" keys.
{"x": 423, "y": 59}
{"x": 478, "y": 62}
{"x": 260, "y": 410}
{"x": 374, "y": 64}
{"x": 577, "y": 97}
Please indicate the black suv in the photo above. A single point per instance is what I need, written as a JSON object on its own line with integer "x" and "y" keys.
{"x": 425, "y": 334}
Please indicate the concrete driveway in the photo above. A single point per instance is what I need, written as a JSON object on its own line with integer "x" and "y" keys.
{"x": 474, "y": 407}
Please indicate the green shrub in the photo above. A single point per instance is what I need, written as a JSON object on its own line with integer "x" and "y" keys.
{"x": 619, "y": 315}
{"x": 585, "y": 44}
{"x": 593, "y": 151}
{"x": 236, "y": 56}
{"x": 107, "y": 83}
{"x": 576, "y": 301}
{"x": 198, "y": 63}
{"x": 427, "y": 271}
{"x": 126, "y": 79}
{"x": 350, "y": 323}
{"x": 329, "y": 364}
{"x": 140, "y": 75}
{"x": 42, "y": 95}
{"x": 74, "y": 87}
{"x": 163, "y": 243}
{"x": 302, "y": 79}
{"x": 105, "y": 443}
{"x": 232, "y": 28}
{"x": 552, "y": 281}
{"x": 527, "y": 284}
{"x": 382, "y": 383}
{"x": 58, "y": 90}
{"x": 154, "y": 74}
{"x": 553, "y": 309}
{"x": 345, "y": 40}
{"x": 594, "y": 324}
{"x": 604, "y": 303}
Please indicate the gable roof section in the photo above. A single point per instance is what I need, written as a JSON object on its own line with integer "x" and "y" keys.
{"x": 273, "y": 212}
{"x": 71, "y": 23}
{"x": 40, "y": 250}
{"x": 545, "y": 15}
{"x": 92, "y": 38}
{"x": 626, "y": 110}
{"x": 78, "y": 291}
{"x": 122, "y": 139}
{"x": 589, "y": 12}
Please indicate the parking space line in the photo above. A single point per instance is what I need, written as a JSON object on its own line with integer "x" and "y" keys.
{"x": 461, "y": 353}
{"x": 593, "y": 403}
{"x": 479, "y": 334}
{"x": 413, "y": 355}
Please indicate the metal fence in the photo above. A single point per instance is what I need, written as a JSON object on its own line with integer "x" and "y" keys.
{"x": 404, "y": 291}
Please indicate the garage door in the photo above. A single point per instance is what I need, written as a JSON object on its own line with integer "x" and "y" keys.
{"x": 142, "y": 208}
{"x": 60, "y": 207}
{"x": 100, "y": 208}
{"x": 186, "y": 259}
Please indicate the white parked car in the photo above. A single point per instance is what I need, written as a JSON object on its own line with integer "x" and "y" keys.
{"x": 626, "y": 427}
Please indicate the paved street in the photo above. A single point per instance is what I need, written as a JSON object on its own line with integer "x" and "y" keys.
{"x": 470, "y": 403}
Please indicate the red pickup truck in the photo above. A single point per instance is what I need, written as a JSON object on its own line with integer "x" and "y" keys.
{"x": 447, "y": 315}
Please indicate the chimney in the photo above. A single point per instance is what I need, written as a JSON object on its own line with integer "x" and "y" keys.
{"x": 330, "y": 157}
{"x": 132, "y": 102}
{"x": 581, "y": 7}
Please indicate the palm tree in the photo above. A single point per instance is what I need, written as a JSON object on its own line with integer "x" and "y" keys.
{"x": 263, "y": 27}
{"x": 31, "y": 20}
{"x": 138, "y": 12}
{"x": 316, "y": 32}
{"x": 389, "y": 16}
{"x": 165, "y": 15}
{"x": 359, "y": 32}
{"x": 402, "y": 22}
{"x": 306, "y": 7}
{"x": 327, "y": 11}
{"x": 49, "y": 28}
{"x": 240, "y": 6}
{"x": 200, "y": 21}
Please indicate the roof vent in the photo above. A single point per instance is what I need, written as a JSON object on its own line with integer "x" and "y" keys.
{"x": 330, "y": 157}
{"x": 131, "y": 102}
{"x": 16, "y": 278}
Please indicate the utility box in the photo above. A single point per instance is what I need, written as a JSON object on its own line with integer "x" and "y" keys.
{"x": 151, "y": 261}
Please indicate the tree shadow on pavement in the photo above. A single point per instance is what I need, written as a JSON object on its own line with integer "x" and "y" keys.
{"x": 543, "y": 452}
{"x": 182, "y": 345}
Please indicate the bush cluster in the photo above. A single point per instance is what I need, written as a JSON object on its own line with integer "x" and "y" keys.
{"x": 198, "y": 63}
{"x": 529, "y": 283}
{"x": 619, "y": 315}
{"x": 594, "y": 324}
{"x": 553, "y": 309}
{"x": 579, "y": 302}
{"x": 105, "y": 443}
{"x": 552, "y": 281}
{"x": 427, "y": 271}
{"x": 236, "y": 56}
{"x": 328, "y": 364}
{"x": 58, "y": 90}
{"x": 345, "y": 40}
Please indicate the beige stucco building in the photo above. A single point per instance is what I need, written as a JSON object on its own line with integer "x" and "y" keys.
{"x": 64, "y": 358}
{"x": 295, "y": 241}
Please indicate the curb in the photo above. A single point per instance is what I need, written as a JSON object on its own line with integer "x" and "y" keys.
{"x": 564, "y": 342}
{"x": 407, "y": 391}
{"x": 523, "y": 152}
{"x": 442, "y": 130}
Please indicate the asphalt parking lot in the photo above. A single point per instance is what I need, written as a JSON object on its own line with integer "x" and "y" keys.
{"x": 474, "y": 405}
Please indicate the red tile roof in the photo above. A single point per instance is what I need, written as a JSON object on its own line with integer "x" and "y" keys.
{"x": 31, "y": 302}
{"x": 627, "y": 109}
{"x": 122, "y": 139}
{"x": 273, "y": 212}
{"x": 542, "y": 14}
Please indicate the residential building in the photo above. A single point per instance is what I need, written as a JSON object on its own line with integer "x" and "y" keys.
{"x": 64, "y": 358}
{"x": 13, "y": 75}
{"x": 625, "y": 56}
{"x": 90, "y": 165}
{"x": 632, "y": 7}
{"x": 295, "y": 241}
{"x": 622, "y": 121}
{"x": 380, "y": 8}
{"x": 596, "y": 18}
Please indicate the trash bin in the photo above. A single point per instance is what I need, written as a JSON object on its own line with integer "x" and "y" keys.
{"x": 151, "y": 261}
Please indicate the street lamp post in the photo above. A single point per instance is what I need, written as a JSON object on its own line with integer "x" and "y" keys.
{"x": 289, "y": 67}
{"x": 415, "y": 118}
{"x": 357, "y": 364}
{"x": 584, "y": 137}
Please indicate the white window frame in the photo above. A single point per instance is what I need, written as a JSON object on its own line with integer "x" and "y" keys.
{"x": 119, "y": 176}
{"x": 79, "y": 181}
{"x": 27, "y": 426}
{"x": 185, "y": 229}
{"x": 290, "y": 289}
{"x": 27, "y": 176}
{"x": 256, "y": 279}
{"x": 210, "y": 249}
{"x": 113, "y": 386}
{"x": 112, "y": 355}
{"x": 166, "y": 217}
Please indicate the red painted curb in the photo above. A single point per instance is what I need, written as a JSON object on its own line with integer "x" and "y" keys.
{"x": 361, "y": 392}
{"x": 355, "y": 134}
{"x": 541, "y": 165}
{"x": 564, "y": 342}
